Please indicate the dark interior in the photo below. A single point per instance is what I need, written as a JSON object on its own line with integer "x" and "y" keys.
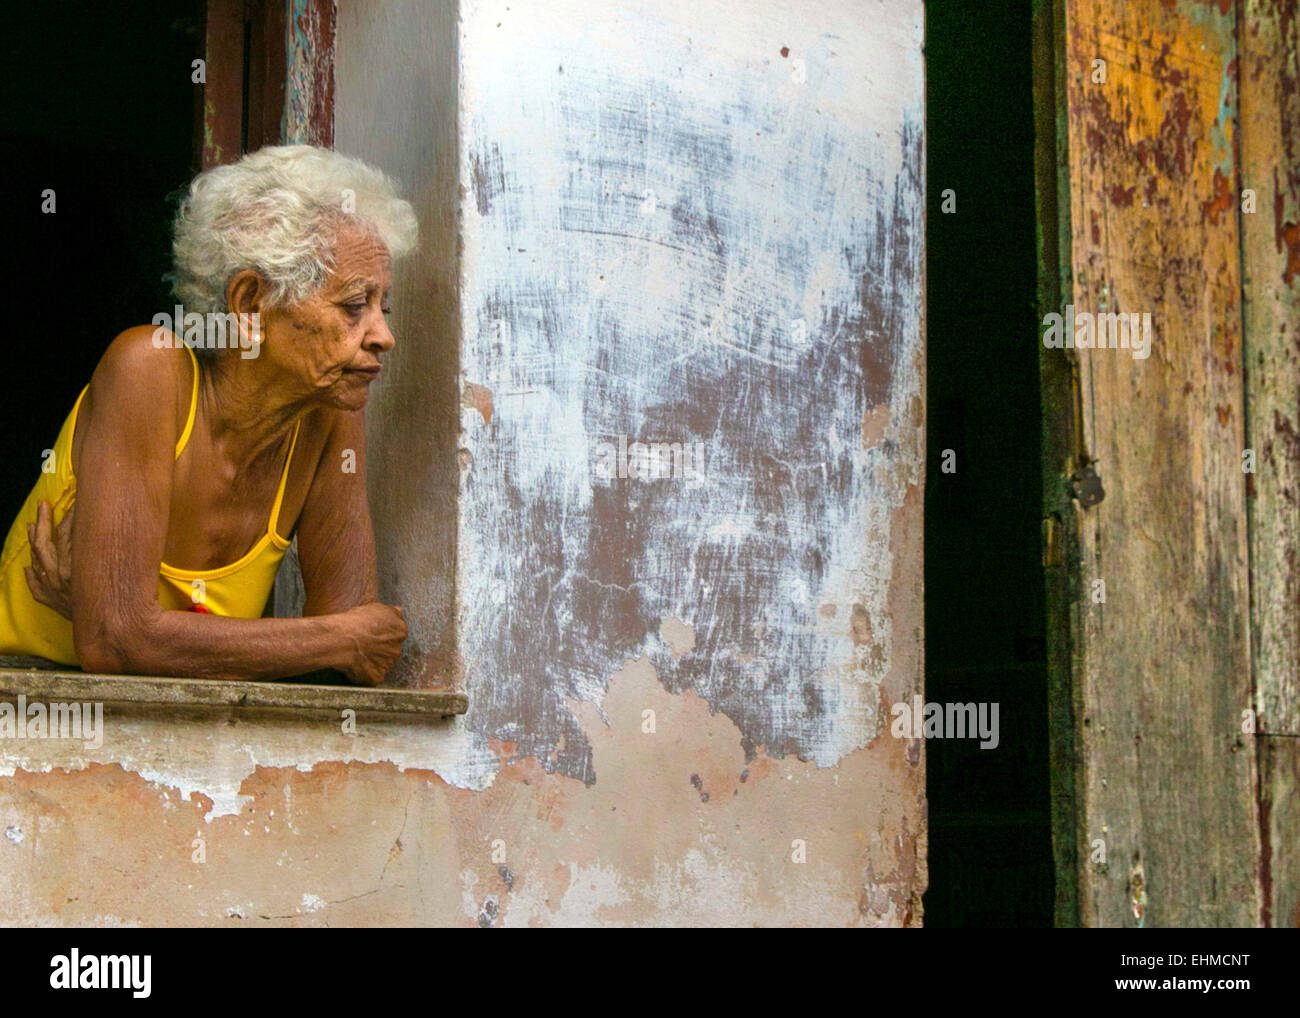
{"x": 99, "y": 108}
{"x": 990, "y": 839}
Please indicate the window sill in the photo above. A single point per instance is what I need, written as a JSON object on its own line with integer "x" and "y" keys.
{"x": 26, "y": 677}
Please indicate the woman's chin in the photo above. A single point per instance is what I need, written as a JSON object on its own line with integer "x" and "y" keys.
{"x": 352, "y": 392}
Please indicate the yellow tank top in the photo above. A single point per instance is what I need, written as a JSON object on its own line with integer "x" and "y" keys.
{"x": 238, "y": 590}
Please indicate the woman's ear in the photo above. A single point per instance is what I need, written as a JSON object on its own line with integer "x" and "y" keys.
{"x": 245, "y": 293}
{"x": 245, "y": 297}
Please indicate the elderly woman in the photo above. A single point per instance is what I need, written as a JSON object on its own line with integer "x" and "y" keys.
{"x": 193, "y": 467}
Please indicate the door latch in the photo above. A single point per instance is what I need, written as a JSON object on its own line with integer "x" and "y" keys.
{"x": 1085, "y": 486}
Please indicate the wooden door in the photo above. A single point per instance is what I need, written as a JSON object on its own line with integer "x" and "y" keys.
{"x": 1157, "y": 588}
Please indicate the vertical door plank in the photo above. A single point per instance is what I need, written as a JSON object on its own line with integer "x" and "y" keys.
{"x": 223, "y": 89}
{"x": 309, "y": 89}
{"x": 1270, "y": 244}
{"x": 1060, "y": 441}
{"x": 1167, "y": 781}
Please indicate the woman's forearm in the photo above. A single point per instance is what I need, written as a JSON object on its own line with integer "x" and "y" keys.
{"x": 215, "y": 647}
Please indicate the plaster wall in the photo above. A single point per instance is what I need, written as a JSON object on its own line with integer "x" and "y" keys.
{"x": 695, "y": 223}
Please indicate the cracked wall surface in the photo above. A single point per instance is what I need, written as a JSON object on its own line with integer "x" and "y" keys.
{"x": 327, "y": 829}
{"x": 664, "y": 222}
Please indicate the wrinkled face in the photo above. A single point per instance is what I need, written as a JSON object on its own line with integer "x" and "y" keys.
{"x": 328, "y": 346}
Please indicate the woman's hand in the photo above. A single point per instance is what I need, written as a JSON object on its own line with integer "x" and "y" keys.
{"x": 50, "y": 575}
{"x": 377, "y": 631}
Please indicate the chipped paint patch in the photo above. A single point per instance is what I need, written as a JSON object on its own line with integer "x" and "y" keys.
{"x": 309, "y": 88}
{"x": 874, "y": 424}
{"x": 208, "y": 761}
{"x": 478, "y": 397}
{"x": 722, "y": 851}
{"x": 678, "y": 635}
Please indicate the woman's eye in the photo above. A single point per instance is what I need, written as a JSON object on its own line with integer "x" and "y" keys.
{"x": 355, "y": 309}
{"x": 387, "y": 311}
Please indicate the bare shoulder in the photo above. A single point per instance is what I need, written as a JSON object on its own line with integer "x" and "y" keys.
{"x": 145, "y": 353}
{"x": 143, "y": 379}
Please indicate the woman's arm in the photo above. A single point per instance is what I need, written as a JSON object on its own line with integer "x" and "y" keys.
{"x": 336, "y": 541}
{"x": 123, "y": 497}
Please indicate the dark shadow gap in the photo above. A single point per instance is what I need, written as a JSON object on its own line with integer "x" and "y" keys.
{"x": 990, "y": 858}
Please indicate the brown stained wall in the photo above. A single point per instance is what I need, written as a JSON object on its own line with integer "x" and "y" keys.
{"x": 695, "y": 225}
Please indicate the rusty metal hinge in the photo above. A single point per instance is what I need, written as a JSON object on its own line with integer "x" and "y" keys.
{"x": 1085, "y": 484}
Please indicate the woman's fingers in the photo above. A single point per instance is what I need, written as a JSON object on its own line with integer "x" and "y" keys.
{"x": 40, "y": 589}
{"x": 43, "y": 556}
{"x": 43, "y": 522}
{"x": 49, "y": 574}
{"x": 63, "y": 545}
{"x": 63, "y": 535}
{"x": 51, "y": 568}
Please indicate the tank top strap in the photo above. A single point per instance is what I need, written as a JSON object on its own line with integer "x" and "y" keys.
{"x": 194, "y": 404}
{"x": 189, "y": 421}
{"x": 76, "y": 413}
{"x": 284, "y": 477}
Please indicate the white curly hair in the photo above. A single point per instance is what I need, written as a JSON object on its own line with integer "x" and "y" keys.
{"x": 278, "y": 211}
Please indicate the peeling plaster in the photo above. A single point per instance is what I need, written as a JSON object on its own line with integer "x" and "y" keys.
{"x": 673, "y": 238}
{"x": 210, "y": 759}
{"x": 678, "y": 635}
{"x": 366, "y": 843}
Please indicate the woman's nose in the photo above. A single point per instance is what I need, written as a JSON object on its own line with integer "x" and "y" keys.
{"x": 381, "y": 338}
